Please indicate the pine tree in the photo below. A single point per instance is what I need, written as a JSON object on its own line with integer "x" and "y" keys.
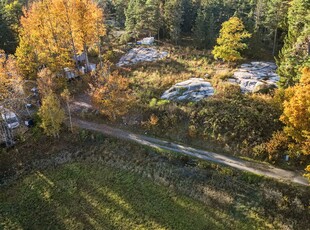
{"x": 152, "y": 18}
{"x": 174, "y": 19}
{"x": 230, "y": 41}
{"x": 120, "y": 9}
{"x": 296, "y": 50}
{"x": 142, "y": 18}
{"x": 132, "y": 19}
{"x": 275, "y": 20}
{"x": 200, "y": 30}
{"x": 7, "y": 38}
{"x": 189, "y": 15}
{"x": 204, "y": 30}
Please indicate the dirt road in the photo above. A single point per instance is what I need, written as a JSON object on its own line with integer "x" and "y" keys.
{"x": 257, "y": 168}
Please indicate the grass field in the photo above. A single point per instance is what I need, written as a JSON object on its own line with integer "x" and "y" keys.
{"x": 92, "y": 196}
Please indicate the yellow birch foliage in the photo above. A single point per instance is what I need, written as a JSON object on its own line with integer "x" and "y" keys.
{"x": 230, "y": 41}
{"x": 296, "y": 114}
{"x": 52, "y": 115}
{"x": 53, "y": 31}
{"x": 47, "y": 82}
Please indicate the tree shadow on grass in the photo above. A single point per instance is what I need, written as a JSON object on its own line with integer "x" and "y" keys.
{"x": 87, "y": 197}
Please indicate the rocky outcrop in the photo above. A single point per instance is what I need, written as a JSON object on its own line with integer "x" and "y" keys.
{"x": 193, "y": 89}
{"x": 256, "y": 76}
{"x": 141, "y": 54}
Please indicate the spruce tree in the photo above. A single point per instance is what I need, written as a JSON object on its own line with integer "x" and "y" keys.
{"x": 142, "y": 18}
{"x": 152, "y": 19}
{"x": 132, "y": 19}
{"x": 275, "y": 20}
{"x": 200, "y": 30}
{"x": 7, "y": 38}
{"x": 174, "y": 19}
{"x": 296, "y": 51}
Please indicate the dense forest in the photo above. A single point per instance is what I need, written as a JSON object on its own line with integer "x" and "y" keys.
{"x": 279, "y": 28}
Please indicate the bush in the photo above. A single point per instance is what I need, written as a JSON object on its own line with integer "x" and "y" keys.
{"x": 228, "y": 90}
{"x": 192, "y": 131}
{"x": 242, "y": 121}
{"x": 274, "y": 149}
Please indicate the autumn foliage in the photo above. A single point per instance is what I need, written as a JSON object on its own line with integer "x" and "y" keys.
{"x": 51, "y": 114}
{"x": 54, "y": 31}
{"x": 296, "y": 115}
{"x": 230, "y": 41}
{"x": 111, "y": 95}
{"x": 11, "y": 86}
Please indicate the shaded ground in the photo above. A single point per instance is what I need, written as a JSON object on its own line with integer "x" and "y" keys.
{"x": 257, "y": 168}
{"x": 93, "y": 196}
{"x": 54, "y": 175}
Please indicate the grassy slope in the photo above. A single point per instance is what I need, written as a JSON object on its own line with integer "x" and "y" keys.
{"x": 86, "y": 196}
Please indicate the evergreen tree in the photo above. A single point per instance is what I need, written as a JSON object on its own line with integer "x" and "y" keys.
{"x": 132, "y": 19}
{"x": 190, "y": 8}
{"x": 200, "y": 30}
{"x": 7, "y": 38}
{"x": 230, "y": 41}
{"x": 142, "y": 18}
{"x": 205, "y": 30}
{"x": 174, "y": 19}
{"x": 275, "y": 20}
{"x": 120, "y": 9}
{"x": 153, "y": 20}
{"x": 296, "y": 51}
{"x": 211, "y": 14}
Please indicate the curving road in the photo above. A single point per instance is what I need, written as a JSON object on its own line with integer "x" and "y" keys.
{"x": 253, "y": 167}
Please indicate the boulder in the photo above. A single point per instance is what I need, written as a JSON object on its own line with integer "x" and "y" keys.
{"x": 256, "y": 75}
{"x": 141, "y": 54}
{"x": 194, "y": 89}
{"x": 146, "y": 41}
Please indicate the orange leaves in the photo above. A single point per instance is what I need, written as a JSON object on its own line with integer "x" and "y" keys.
{"x": 112, "y": 95}
{"x": 10, "y": 80}
{"x": 296, "y": 114}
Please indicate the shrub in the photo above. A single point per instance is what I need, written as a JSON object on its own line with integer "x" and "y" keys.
{"x": 153, "y": 102}
{"x": 274, "y": 149}
{"x": 228, "y": 90}
{"x": 192, "y": 131}
{"x": 242, "y": 121}
{"x": 153, "y": 120}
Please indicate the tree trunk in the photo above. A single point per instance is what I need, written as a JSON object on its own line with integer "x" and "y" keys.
{"x": 70, "y": 119}
{"x": 100, "y": 53}
{"x": 86, "y": 57}
{"x": 71, "y": 35}
{"x": 275, "y": 42}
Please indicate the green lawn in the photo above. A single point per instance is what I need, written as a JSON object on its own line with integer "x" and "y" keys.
{"x": 93, "y": 196}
